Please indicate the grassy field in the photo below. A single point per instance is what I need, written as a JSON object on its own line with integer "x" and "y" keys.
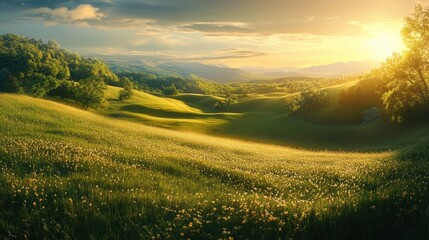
{"x": 164, "y": 112}
{"x": 263, "y": 118}
{"x": 68, "y": 173}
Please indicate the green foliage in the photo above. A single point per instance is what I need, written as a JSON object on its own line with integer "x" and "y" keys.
{"x": 91, "y": 93}
{"x": 170, "y": 90}
{"x": 416, "y": 152}
{"x": 406, "y": 93}
{"x": 83, "y": 68}
{"x": 293, "y": 103}
{"x": 366, "y": 94}
{"x": 8, "y": 83}
{"x": 223, "y": 103}
{"x": 308, "y": 100}
{"x": 220, "y": 104}
{"x": 66, "y": 89}
{"x": 127, "y": 92}
{"x": 288, "y": 85}
{"x": 151, "y": 82}
{"x": 401, "y": 84}
{"x": 32, "y": 67}
{"x": 37, "y": 85}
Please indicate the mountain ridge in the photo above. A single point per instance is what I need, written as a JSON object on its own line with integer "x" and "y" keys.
{"x": 225, "y": 74}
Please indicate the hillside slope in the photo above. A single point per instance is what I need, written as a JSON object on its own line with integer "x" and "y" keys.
{"x": 68, "y": 173}
{"x": 263, "y": 118}
{"x": 163, "y": 112}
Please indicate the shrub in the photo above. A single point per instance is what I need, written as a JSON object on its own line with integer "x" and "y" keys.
{"x": 170, "y": 90}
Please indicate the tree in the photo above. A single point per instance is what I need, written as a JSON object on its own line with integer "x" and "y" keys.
{"x": 402, "y": 81}
{"x": 307, "y": 100}
{"x": 404, "y": 92}
{"x": 127, "y": 92}
{"x": 405, "y": 75}
{"x": 91, "y": 93}
{"x": 222, "y": 103}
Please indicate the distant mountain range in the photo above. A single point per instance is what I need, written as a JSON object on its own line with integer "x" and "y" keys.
{"x": 224, "y": 74}
{"x": 329, "y": 70}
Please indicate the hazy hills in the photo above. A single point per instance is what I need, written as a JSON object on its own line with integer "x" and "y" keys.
{"x": 210, "y": 72}
{"x": 224, "y": 74}
{"x": 328, "y": 70}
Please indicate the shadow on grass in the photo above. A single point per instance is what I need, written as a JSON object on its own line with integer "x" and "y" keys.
{"x": 159, "y": 113}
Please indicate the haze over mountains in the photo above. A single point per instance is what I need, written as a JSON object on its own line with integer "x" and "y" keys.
{"x": 225, "y": 74}
{"x": 328, "y": 70}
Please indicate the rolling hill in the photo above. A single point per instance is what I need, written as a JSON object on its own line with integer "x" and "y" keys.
{"x": 210, "y": 72}
{"x": 69, "y": 173}
{"x": 189, "y": 70}
{"x": 262, "y": 118}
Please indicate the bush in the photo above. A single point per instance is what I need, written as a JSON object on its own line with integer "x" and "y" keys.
{"x": 226, "y": 102}
{"x": 170, "y": 90}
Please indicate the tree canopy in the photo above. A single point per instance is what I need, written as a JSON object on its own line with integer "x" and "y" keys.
{"x": 36, "y": 68}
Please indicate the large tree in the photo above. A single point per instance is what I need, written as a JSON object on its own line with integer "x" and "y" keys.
{"x": 404, "y": 77}
{"x": 91, "y": 93}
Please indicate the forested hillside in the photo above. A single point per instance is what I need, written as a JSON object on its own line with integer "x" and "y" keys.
{"x": 36, "y": 68}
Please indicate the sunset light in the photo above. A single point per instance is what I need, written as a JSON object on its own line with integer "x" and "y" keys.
{"x": 214, "y": 119}
{"x": 270, "y": 33}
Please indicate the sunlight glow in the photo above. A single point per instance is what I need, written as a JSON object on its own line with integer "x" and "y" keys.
{"x": 384, "y": 42}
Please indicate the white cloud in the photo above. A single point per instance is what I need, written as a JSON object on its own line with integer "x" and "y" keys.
{"x": 81, "y": 13}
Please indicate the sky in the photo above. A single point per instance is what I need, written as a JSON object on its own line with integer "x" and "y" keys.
{"x": 235, "y": 33}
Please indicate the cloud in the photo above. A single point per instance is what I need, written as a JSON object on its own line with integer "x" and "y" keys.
{"x": 223, "y": 55}
{"x": 237, "y": 18}
{"x": 237, "y": 28}
{"x": 307, "y": 25}
{"x": 80, "y": 14}
{"x": 159, "y": 57}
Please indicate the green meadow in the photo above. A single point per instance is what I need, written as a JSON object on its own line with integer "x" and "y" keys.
{"x": 264, "y": 118}
{"x": 67, "y": 173}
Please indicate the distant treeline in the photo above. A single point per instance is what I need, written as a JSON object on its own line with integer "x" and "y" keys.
{"x": 156, "y": 80}
{"x": 287, "y": 85}
{"x": 170, "y": 85}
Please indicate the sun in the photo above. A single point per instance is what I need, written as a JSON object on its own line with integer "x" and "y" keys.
{"x": 382, "y": 44}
